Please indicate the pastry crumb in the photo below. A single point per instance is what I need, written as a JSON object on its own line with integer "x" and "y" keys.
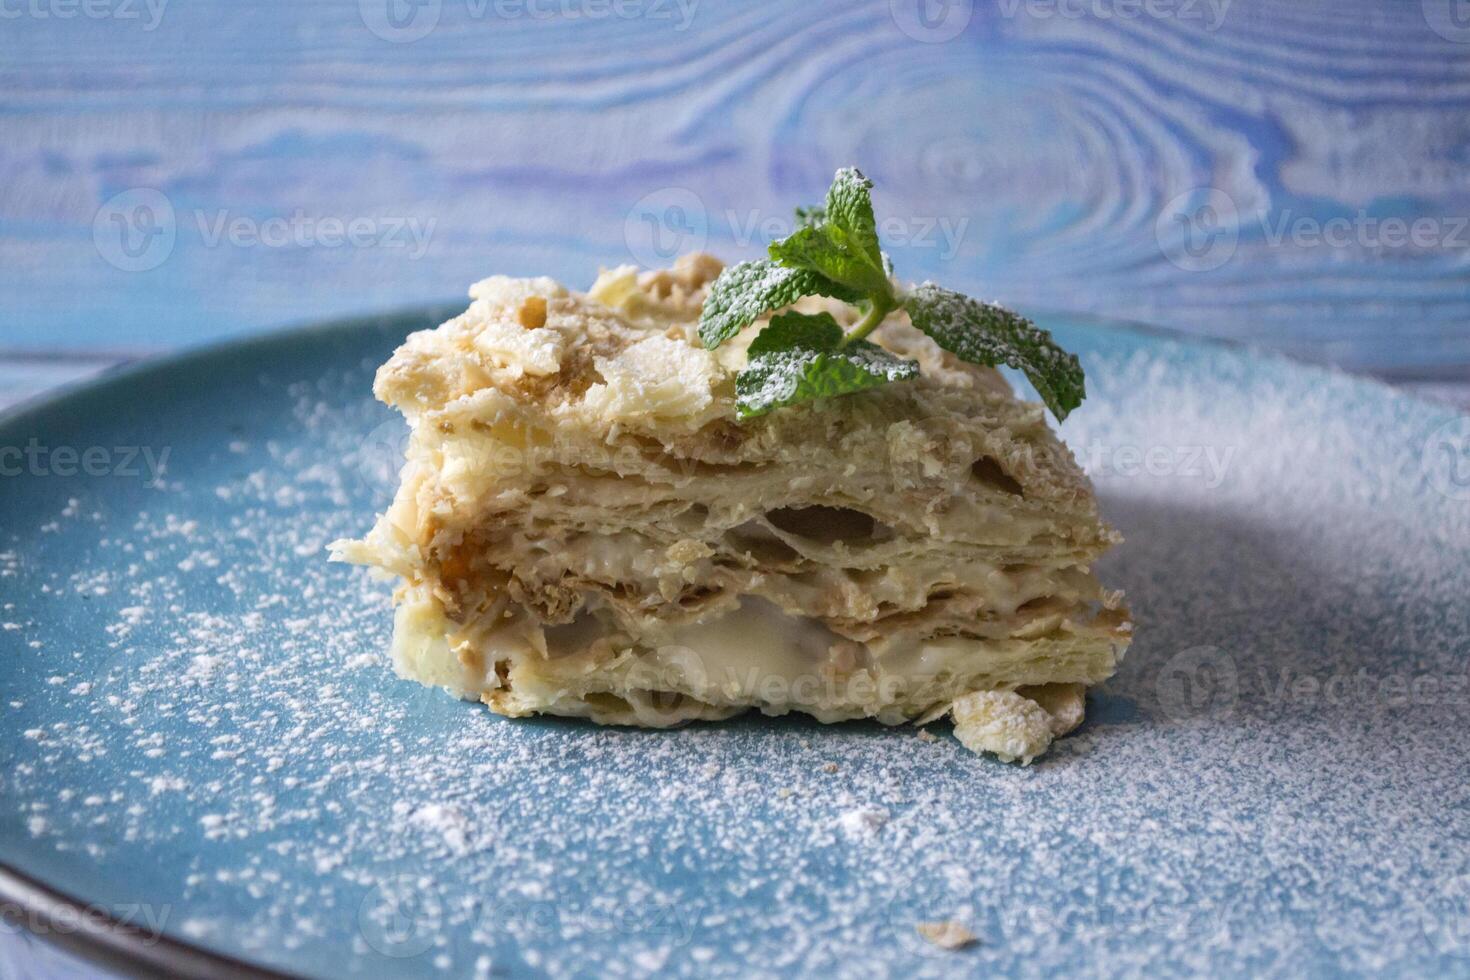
{"x": 949, "y": 934}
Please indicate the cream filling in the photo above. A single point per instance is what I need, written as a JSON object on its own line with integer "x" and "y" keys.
{"x": 754, "y": 655}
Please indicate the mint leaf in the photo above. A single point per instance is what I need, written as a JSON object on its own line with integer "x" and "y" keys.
{"x": 849, "y": 210}
{"x": 813, "y": 331}
{"x": 983, "y": 333}
{"x": 817, "y": 249}
{"x": 840, "y": 240}
{"x": 800, "y": 357}
{"x": 834, "y": 251}
{"x": 746, "y": 291}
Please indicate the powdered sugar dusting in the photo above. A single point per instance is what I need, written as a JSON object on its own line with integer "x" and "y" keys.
{"x": 1268, "y": 784}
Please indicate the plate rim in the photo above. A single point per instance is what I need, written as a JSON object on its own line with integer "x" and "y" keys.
{"x": 101, "y": 939}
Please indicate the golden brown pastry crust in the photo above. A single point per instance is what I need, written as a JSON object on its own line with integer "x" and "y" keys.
{"x": 583, "y": 528}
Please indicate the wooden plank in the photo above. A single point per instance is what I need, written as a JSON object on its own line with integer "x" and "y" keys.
{"x": 229, "y": 167}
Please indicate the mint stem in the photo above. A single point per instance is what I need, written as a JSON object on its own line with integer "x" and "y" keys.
{"x": 882, "y": 306}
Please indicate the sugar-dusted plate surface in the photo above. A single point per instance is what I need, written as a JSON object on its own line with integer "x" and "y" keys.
{"x": 199, "y": 730}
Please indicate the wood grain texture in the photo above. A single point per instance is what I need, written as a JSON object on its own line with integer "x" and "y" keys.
{"x": 208, "y": 168}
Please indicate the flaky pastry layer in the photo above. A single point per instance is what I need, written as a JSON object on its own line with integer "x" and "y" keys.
{"x": 583, "y": 529}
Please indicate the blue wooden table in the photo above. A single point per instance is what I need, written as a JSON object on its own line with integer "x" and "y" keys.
{"x": 1292, "y": 173}
{"x": 1289, "y": 173}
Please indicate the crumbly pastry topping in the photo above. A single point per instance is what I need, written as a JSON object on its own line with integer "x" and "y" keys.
{"x": 583, "y": 528}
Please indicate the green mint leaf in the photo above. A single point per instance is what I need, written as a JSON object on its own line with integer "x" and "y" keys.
{"x": 814, "y": 215}
{"x": 820, "y": 248}
{"x": 746, "y": 291}
{"x": 840, "y": 240}
{"x": 799, "y": 357}
{"x": 983, "y": 333}
{"x": 849, "y": 209}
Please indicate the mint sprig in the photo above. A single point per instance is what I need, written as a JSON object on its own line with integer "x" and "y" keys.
{"x": 801, "y": 357}
{"x": 983, "y": 333}
{"x": 834, "y": 252}
{"x": 840, "y": 242}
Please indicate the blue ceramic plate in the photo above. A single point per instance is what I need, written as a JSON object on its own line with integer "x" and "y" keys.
{"x": 200, "y": 736}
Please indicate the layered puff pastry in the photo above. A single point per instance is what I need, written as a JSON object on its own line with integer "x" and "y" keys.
{"x": 584, "y": 529}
